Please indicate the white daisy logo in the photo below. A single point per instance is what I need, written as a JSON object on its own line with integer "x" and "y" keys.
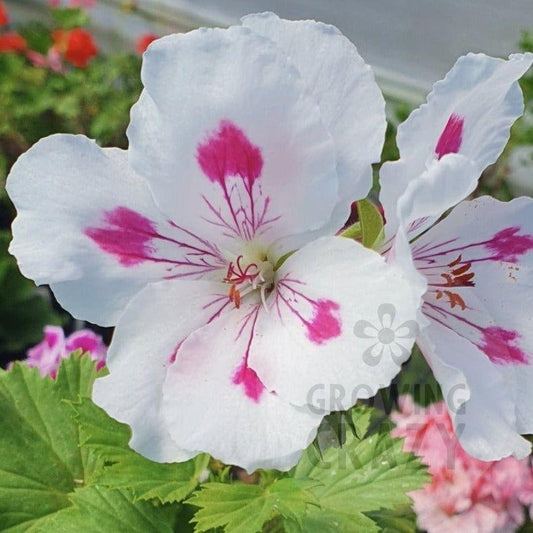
{"x": 388, "y": 338}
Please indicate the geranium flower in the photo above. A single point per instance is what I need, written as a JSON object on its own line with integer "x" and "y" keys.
{"x": 11, "y": 41}
{"x": 206, "y": 243}
{"x": 465, "y": 494}
{"x": 4, "y": 15}
{"x": 477, "y": 261}
{"x": 77, "y": 46}
{"x": 51, "y": 60}
{"x": 144, "y": 41}
{"x": 48, "y": 354}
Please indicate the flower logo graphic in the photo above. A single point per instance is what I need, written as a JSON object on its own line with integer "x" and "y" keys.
{"x": 388, "y": 338}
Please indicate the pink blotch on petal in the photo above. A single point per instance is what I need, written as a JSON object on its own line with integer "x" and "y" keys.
{"x": 253, "y": 387}
{"x": 228, "y": 152}
{"x": 500, "y": 346}
{"x": 325, "y": 324}
{"x": 507, "y": 245}
{"x": 451, "y": 137}
{"x": 126, "y": 235}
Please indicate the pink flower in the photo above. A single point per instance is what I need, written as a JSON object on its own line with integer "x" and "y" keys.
{"x": 52, "y": 60}
{"x": 47, "y": 355}
{"x": 465, "y": 493}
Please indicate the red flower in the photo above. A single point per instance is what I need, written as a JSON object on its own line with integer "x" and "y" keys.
{"x": 4, "y": 17}
{"x": 143, "y": 42}
{"x": 77, "y": 46}
{"x": 12, "y": 42}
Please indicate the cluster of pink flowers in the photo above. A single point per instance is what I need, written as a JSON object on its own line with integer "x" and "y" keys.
{"x": 465, "y": 494}
{"x": 48, "y": 354}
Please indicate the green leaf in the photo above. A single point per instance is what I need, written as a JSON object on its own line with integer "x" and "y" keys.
{"x": 75, "y": 377}
{"x": 371, "y": 222}
{"x": 322, "y": 521}
{"x": 148, "y": 480}
{"x": 98, "y": 510}
{"x": 353, "y": 232}
{"x": 47, "y": 480}
{"x": 399, "y": 520}
{"x": 166, "y": 482}
{"x": 69, "y": 18}
{"x": 370, "y": 472}
{"x": 241, "y": 508}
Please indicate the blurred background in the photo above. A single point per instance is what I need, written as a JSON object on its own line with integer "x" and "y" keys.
{"x": 73, "y": 66}
{"x": 409, "y": 43}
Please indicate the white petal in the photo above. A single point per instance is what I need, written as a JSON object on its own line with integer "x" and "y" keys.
{"x": 426, "y": 197}
{"x": 479, "y": 266}
{"x": 480, "y": 400}
{"x": 232, "y": 96}
{"x": 64, "y": 188}
{"x": 469, "y": 112}
{"x": 145, "y": 340}
{"x": 215, "y": 403}
{"x": 482, "y": 90}
{"x": 351, "y": 104}
{"x": 313, "y": 347}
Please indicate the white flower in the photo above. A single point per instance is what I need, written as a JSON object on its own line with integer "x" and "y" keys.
{"x": 478, "y": 262}
{"x": 247, "y": 145}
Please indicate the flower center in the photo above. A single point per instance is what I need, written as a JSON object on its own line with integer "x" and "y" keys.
{"x": 386, "y": 336}
{"x": 245, "y": 277}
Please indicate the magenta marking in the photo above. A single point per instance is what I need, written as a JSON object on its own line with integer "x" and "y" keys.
{"x": 244, "y": 375}
{"x": 451, "y": 137}
{"x": 228, "y": 152}
{"x": 80, "y": 339}
{"x": 253, "y": 387}
{"x": 128, "y": 236}
{"x": 325, "y": 324}
{"x": 508, "y": 245}
{"x": 500, "y": 346}
{"x": 172, "y": 358}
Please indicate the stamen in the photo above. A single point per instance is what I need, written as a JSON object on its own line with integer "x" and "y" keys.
{"x": 246, "y": 279}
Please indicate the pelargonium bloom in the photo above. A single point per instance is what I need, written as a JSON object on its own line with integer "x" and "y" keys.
{"x": 77, "y": 46}
{"x": 48, "y": 354}
{"x": 51, "y": 60}
{"x": 478, "y": 261}
{"x": 465, "y": 494}
{"x": 207, "y": 243}
{"x": 12, "y": 42}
